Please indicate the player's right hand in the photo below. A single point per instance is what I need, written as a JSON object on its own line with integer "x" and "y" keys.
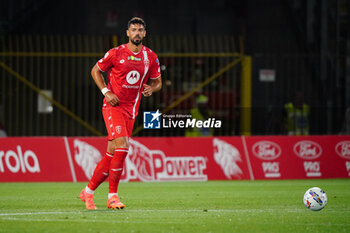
{"x": 112, "y": 99}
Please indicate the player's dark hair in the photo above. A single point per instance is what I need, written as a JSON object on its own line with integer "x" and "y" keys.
{"x": 136, "y": 20}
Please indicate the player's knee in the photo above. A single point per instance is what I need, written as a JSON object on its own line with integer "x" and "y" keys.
{"x": 110, "y": 147}
{"x": 121, "y": 142}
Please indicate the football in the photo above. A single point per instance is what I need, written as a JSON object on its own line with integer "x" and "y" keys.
{"x": 315, "y": 199}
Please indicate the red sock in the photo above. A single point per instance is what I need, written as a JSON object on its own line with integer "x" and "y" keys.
{"x": 116, "y": 168}
{"x": 100, "y": 172}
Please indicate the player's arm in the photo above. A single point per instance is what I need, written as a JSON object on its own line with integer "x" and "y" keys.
{"x": 153, "y": 86}
{"x": 97, "y": 76}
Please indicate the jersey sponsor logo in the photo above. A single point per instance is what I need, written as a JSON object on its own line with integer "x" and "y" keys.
{"x": 122, "y": 61}
{"x": 19, "y": 161}
{"x": 307, "y": 149}
{"x": 133, "y": 77}
{"x": 130, "y": 86}
{"x": 133, "y": 58}
{"x": 266, "y": 150}
{"x": 86, "y": 156}
{"x": 343, "y": 149}
{"x": 227, "y": 156}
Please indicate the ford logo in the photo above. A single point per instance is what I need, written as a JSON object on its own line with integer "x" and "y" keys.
{"x": 343, "y": 149}
{"x": 307, "y": 149}
{"x": 266, "y": 150}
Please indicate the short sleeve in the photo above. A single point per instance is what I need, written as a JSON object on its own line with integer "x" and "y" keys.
{"x": 106, "y": 62}
{"x": 155, "y": 68}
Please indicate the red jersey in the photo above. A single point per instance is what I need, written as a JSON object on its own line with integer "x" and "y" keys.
{"x": 127, "y": 72}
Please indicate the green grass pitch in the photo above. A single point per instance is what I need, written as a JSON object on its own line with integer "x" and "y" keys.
{"x": 213, "y": 206}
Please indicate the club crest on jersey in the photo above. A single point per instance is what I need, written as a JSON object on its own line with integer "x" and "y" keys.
{"x": 132, "y": 77}
{"x": 132, "y": 58}
{"x": 118, "y": 128}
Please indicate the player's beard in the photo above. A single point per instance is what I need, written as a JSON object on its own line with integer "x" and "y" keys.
{"x": 136, "y": 41}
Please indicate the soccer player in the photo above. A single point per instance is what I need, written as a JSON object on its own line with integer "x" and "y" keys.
{"x": 130, "y": 67}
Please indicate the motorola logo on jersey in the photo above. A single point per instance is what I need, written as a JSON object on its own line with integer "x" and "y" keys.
{"x": 132, "y": 77}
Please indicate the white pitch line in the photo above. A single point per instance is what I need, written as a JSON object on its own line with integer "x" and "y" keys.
{"x": 162, "y": 211}
{"x": 38, "y": 213}
{"x": 93, "y": 211}
{"x": 149, "y": 222}
{"x": 87, "y": 220}
{"x": 147, "y": 211}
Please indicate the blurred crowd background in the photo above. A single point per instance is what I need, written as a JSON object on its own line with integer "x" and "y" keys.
{"x": 298, "y": 62}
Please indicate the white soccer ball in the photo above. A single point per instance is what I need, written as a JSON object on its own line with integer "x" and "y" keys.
{"x": 315, "y": 199}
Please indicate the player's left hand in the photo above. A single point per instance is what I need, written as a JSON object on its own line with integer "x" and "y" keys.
{"x": 147, "y": 91}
